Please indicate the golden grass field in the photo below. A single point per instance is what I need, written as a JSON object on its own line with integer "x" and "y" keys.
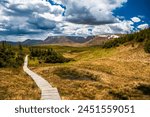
{"x": 99, "y": 74}
{"x": 96, "y": 74}
{"x": 16, "y": 85}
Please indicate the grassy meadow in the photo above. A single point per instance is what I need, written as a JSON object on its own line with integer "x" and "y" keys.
{"x": 97, "y": 73}
{"x": 16, "y": 85}
{"x": 117, "y": 70}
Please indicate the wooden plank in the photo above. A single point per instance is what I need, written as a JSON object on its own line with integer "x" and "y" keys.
{"x": 47, "y": 91}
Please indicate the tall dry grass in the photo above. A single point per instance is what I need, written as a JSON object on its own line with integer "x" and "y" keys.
{"x": 16, "y": 85}
{"x": 121, "y": 73}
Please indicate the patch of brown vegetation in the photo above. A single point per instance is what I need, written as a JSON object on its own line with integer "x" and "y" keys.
{"x": 120, "y": 73}
{"x": 16, "y": 85}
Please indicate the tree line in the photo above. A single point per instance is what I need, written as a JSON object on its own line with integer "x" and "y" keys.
{"x": 142, "y": 36}
{"x": 11, "y": 56}
{"x": 47, "y": 55}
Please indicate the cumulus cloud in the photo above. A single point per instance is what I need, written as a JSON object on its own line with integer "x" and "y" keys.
{"x": 136, "y": 19}
{"x": 121, "y": 27}
{"x": 22, "y": 19}
{"x": 143, "y": 26}
{"x": 92, "y": 12}
{"x": 117, "y": 28}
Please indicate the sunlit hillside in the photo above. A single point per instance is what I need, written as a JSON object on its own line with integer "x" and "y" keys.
{"x": 15, "y": 84}
{"x": 116, "y": 69}
{"x": 96, "y": 73}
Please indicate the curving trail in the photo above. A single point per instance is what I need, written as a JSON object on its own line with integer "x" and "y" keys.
{"x": 47, "y": 91}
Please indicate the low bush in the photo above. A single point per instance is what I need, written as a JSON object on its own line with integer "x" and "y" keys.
{"x": 10, "y": 56}
{"x": 141, "y": 36}
{"x": 74, "y": 74}
{"x": 48, "y": 55}
{"x": 147, "y": 46}
{"x": 144, "y": 88}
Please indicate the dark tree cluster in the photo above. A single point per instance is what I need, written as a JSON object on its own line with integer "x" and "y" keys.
{"x": 147, "y": 46}
{"x": 48, "y": 55}
{"x": 11, "y": 56}
{"x": 142, "y": 37}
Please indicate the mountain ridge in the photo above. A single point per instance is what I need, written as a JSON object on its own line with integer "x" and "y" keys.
{"x": 65, "y": 41}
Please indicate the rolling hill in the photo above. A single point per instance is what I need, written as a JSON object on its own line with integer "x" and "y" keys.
{"x": 97, "y": 40}
{"x": 66, "y": 40}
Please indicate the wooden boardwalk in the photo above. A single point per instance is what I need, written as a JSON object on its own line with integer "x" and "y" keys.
{"x": 47, "y": 91}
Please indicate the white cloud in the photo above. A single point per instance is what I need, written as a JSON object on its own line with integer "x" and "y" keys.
{"x": 21, "y": 19}
{"x": 28, "y": 17}
{"x": 136, "y": 19}
{"x": 91, "y": 11}
{"x": 117, "y": 28}
{"x": 82, "y": 30}
{"x": 143, "y": 26}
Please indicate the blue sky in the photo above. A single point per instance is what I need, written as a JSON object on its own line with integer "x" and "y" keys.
{"x": 139, "y": 8}
{"x": 37, "y": 19}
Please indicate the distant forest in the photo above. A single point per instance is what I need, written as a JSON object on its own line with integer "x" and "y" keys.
{"x": 11, "y": 56}
{"x": 142, "y": 37}
{"x": 47, "y": 55}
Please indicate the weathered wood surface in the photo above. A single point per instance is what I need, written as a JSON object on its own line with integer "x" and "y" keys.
{"x": 47, "y": 91}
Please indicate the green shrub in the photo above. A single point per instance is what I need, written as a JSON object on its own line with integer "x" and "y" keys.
{"x": 118, "y": 41}
{"x": 118, "y": 95}
{"x": 10, "y": 56}
{"x": 75, "y": 74}
{"x": 147, "y": 46}
{"x": 141, "y": 36}
{"x": 144, "y": 88}
{"x": 47, "y": 55}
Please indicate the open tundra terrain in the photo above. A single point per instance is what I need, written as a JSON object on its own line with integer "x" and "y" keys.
{"x": 116, "y": 69}
{"x": 16, "y": 85}
{"x": 96, "y": 73}
{"x": 74, "y": 49}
